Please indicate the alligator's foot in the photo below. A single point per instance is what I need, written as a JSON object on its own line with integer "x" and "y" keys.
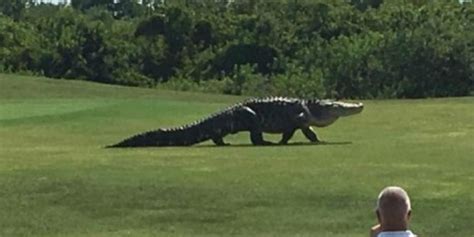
{"x": 319, "y": 142}
{"x": 257, "y": 139}
{"x": 219, "y": 141}
{"x": 263, "y": 143}
{"x": 266, "y": 143}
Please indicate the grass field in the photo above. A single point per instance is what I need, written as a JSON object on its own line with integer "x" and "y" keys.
{"x": 56, "y": 179}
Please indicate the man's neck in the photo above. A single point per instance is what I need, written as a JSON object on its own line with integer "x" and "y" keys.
{"x": 386, "y": 227}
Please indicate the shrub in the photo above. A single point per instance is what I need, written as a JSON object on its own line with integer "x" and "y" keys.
{"x": 344, "y": 49}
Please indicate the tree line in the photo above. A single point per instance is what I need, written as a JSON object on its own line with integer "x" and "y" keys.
{"x": 320, "y": 48}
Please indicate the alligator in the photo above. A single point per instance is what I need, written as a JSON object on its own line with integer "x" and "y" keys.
{"x": 258, "y": 115}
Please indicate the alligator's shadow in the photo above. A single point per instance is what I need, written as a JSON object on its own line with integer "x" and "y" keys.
{"x": 277, "y": 145}
{"x": 249, "y": 145}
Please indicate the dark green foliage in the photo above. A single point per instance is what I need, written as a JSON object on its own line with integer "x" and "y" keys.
{"x": 346, "y": 49}
{"x": 87, "y": 4}
{"x": 203, "y": 34}
{"x": 151, "y": 27}
{"x": 14, "y": 8}
{"x": 19, "y": 49}
{"x": 365, "y": 4}
{"x": 128, "y": 8}
{"x": 241, "y": 54}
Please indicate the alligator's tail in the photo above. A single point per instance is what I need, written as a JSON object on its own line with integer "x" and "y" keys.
{"x": 184, "y": 136}
{"x": 151, "y": 138}
{"x": 181, "y": 136}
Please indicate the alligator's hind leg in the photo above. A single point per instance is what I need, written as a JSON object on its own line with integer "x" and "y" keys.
{"x": 250, "y": 119}
{"x": 256, "y": 137}
{"x": 219, "y": 141}
{"x": 287, "y": 136}
{"x": 310, "y": 134}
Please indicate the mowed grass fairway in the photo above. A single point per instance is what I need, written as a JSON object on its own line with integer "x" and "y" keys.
{"x": 56, "y": 178}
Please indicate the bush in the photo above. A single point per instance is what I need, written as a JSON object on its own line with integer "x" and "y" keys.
{"x": 343, "y": 49}
{"x": 298, "y": 83}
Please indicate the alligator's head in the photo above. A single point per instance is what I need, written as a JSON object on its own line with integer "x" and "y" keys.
{"x": 325, "y": 112}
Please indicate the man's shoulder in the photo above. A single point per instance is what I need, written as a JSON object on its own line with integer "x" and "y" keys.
{"x": 406, "y": 233}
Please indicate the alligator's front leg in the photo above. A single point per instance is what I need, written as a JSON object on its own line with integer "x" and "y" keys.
{"x": 287, "y": 136}
{"x": 310, "y": 134}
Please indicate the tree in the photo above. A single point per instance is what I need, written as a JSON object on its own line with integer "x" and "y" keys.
{"x": 87, "y": 4}
{"x": 14, "y": 8}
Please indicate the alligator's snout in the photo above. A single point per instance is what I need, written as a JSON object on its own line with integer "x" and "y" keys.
{"x": 347, "y": 109}
{"x": 361, "y": 107}
{"x": 358, "y": 107}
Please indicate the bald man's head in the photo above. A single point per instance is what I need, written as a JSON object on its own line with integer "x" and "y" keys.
{"x": 393, "y": 207}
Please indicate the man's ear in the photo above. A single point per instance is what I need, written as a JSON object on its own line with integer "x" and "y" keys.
{"x": 409, "y": 215}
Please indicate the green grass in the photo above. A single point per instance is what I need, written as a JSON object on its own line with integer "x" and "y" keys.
{"x": 56, "y": 179}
